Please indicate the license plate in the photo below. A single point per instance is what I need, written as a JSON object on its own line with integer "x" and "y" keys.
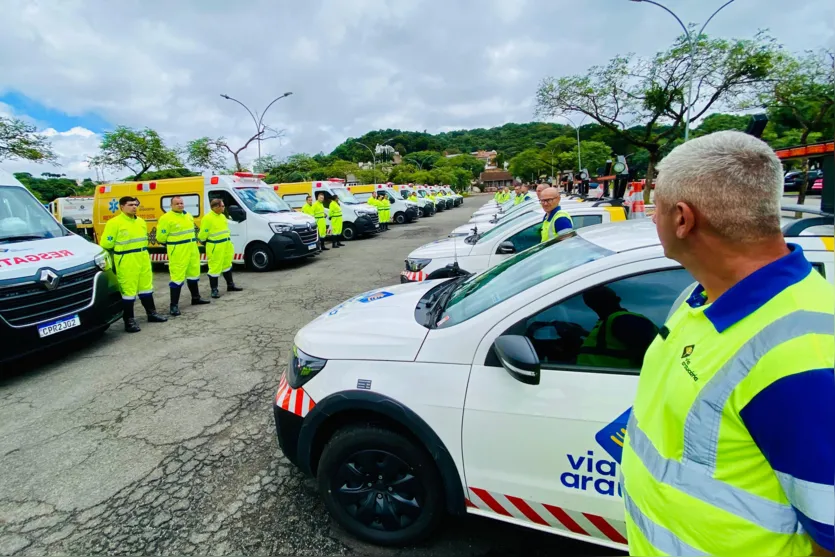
{"x": 311, "y": 246}
{"x": 58, "y": 326}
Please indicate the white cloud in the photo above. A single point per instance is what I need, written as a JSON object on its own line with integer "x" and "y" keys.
{"x": 352, "y": 64}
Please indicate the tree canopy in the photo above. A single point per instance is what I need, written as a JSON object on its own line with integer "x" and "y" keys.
{"x": 136, "y": 150}
{"x": 21, "y": 140}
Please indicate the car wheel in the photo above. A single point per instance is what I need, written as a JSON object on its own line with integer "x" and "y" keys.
{"x": 259, "y": 257}
{"x": 380, "y": 486}
{"x": 400, "y": 218}
{"x": 349, "y": 232}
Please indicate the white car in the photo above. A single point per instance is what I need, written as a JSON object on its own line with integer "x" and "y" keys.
{"x": 468, "y": 395}
{"x": 484, "y": 223}
{"x": 514, "y": 234}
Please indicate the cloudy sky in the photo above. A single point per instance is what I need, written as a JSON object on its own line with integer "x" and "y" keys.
{"x": 77, "y": 68}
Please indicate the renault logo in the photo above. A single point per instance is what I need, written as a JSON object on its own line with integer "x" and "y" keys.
{"x": 49, "y": 279}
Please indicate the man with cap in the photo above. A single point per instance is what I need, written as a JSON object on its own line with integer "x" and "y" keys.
{"x": 175, "y": 230}
{"x": 125, "y": 236}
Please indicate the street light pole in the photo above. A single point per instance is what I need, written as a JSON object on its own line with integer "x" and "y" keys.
{"x": 692, "y": 45}
{"x": 577, "y": 129}
{"x": 552, "y": 156}
{"x": 258, "y": 121}
{"x": 373, "y": 161}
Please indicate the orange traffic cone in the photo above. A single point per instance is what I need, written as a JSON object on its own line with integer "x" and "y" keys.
{"x": 637, "y": 206}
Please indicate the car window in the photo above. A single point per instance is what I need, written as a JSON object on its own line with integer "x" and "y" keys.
{"x": 607, "y": 327}
{"x": 524, "y": 270}
{"x": 527, "y": 238}
{"x": 502, "y": 227}
{"x": 581, "y": 221}
{"x": 295, "y": 200}
{"x": 190, "y": 201}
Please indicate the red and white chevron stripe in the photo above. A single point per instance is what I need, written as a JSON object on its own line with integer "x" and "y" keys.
{"x": 163, "y": 257}
{"x": 414, "y": 276}
{"x": 548, "y": 516}
{"x": 295, "y": 401}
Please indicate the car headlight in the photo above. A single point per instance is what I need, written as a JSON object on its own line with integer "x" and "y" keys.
{"x": 415, "y": 265}
{"x": 281, "y": 228}
{"x": 102, "y": 260}
{"x": 302, "y": 368}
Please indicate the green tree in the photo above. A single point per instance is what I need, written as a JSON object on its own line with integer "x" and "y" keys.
{"x": 528, "y": 165}
{"x": 47, "y": 189}
{"x": 467, "y": 162}
{"x": 594, "y": 155}
{"x": 20, "y": 140}
{"x": 424, "y": 160}
{"x": 135, "y": 150}
{"x": 263, "y": 164}
{"x": 644, "y": 101}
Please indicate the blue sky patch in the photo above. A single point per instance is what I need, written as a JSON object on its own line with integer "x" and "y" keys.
{"x": 50, "y": 117}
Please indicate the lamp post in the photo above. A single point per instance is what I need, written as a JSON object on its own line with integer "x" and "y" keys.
{"x": 552, "y": 156}
{"x": 692, "y": 44}
{"x": 259, "y": 122}
{"x": 577, "y": 128}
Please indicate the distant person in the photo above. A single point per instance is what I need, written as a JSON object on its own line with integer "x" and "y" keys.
{"x": 556, "y": 222}
{"x": 175, "y": 230}
{"x": 336, "y": 223}
{"x": 730, "y": 447}
{"x": 215, "y": 233}
{"x": 541, "y": 188}
{"x": 320, "y": 214}
{"x": 125, "y": 236}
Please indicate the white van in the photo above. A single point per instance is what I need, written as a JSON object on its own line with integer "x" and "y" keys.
{"x": 402, "y": 211}
{"x": 358, "y": 218}
{"x": 54, "y": 285}
{"x": 427, "y": 208}
{"x": 264, "y": 229}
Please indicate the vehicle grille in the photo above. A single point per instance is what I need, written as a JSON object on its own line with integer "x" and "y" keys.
{"x": 31, "y": 303}
{"x": 308, "y": 236}
{"x": 375, "y": 218}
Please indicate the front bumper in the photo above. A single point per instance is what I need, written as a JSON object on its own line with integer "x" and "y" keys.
{"x": 287, "y": 246}
{"x": 411, "y": 214}
{"x": 288, "y": 426}
{"x": 366, "y": 225}
{"x": 104, "y": 309}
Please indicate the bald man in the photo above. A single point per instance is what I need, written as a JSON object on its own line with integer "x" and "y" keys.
{"x": 556, "y": 222}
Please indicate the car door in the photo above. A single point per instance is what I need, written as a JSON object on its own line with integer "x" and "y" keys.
{"x": 548, "y": 455}
{"x": 237, "y": 228}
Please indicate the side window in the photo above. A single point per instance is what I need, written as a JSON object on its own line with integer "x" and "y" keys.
{"x": 295, "y": 200}
{"x": 818, "y": 266}
{"x": 227, "y": 198}
{"x": 191, "y": 201}
{"x": 607, "y": 327}
{"x": 586, "y": 220}
{"x": 363, "y": 196}
{"x": 527, "y": 238}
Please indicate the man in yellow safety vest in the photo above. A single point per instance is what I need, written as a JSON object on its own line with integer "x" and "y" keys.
{"x": 215, "y": 233}
{"x": 730, "y": 445}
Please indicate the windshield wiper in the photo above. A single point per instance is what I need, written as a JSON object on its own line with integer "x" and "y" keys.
{"x": 21, "y": 238}
{"x": 438, "y": 307}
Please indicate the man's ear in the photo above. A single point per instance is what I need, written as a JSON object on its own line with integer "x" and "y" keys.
{"x": 685, "y": 220}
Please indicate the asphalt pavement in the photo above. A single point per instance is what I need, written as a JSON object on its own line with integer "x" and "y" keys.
{"x": 163, "y": 442}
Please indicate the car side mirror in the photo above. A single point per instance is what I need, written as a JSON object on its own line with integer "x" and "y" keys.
{"x": 69, "y": 224}
{"x": 236, "y": 213}
{"x": 506, "y": 247}
{"x": 519, "y": 358}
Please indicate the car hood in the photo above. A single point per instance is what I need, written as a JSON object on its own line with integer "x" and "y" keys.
{"x": 289, "y": 218}
{"x": 467, "y": 229}
{"x": 445, "y": 247}
{"x": 25, "y": 259}
{"x": 375, "y": 325}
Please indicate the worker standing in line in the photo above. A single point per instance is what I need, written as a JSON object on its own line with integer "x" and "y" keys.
{"x": 522, "y": 196}
{"x": 730, "y": 448}
{"x": 175, "y": 230}
{"x": 556, "y": 221}
{"x": 320, "y": 214}
{"x": 125, "y": 236}
{"x": 307, "y": 208}
{"x": 336, "y": 223}
{"x": 541, "y": 188}
{"x": 413, "y": 196}
{"x": 383, "y": 210}
{"x": 214, "y": 232}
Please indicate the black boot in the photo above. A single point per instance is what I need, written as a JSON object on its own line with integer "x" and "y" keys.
{"x": 230, "y": 284}
{"x": 174, "y": 308}
{"x": 339, "y": 241}
{"x": 151, "y": 310}
{"x": 213, "y": 285}
{"x": 334, "y": 242}
{"x": 127, "y": 314}
{"x": 196, "y": 300}
{"x": 322, "y": 245}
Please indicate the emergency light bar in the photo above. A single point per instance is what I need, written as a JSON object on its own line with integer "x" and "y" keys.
{"x": 146, "y": 187}
{"x": 249, "y": 175}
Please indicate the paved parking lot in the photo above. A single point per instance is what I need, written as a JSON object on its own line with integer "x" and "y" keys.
{"x": 163, "y": 441}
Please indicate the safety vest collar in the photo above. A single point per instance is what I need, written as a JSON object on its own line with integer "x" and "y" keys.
{"x": 754, "y": 291}
{"x": 550, "y": 214}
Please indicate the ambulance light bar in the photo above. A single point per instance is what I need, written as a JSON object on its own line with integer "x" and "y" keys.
{"x": 249, "y": 175}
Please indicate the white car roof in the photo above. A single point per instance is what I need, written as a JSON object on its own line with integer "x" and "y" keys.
{"x": 8, "y": 179}
{"x": 641, "y": 233}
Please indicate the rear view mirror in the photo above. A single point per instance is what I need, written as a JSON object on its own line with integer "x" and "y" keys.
{"x": 69, "y": 224}
{"x": 506, "y": 247}
{"x": 519, "y": 358}
{"x": 236, "y": 213}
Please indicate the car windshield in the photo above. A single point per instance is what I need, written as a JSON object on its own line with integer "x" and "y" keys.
{"x": 262, "y": 200}
{"x": 504, "y": 224}
{"x": 516, "y": 208}
{"x": 526, "y": 269}
{"x": 345, "y": 197}
{"x": 22, "y": 218}
{"x": 422, "y": 193}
